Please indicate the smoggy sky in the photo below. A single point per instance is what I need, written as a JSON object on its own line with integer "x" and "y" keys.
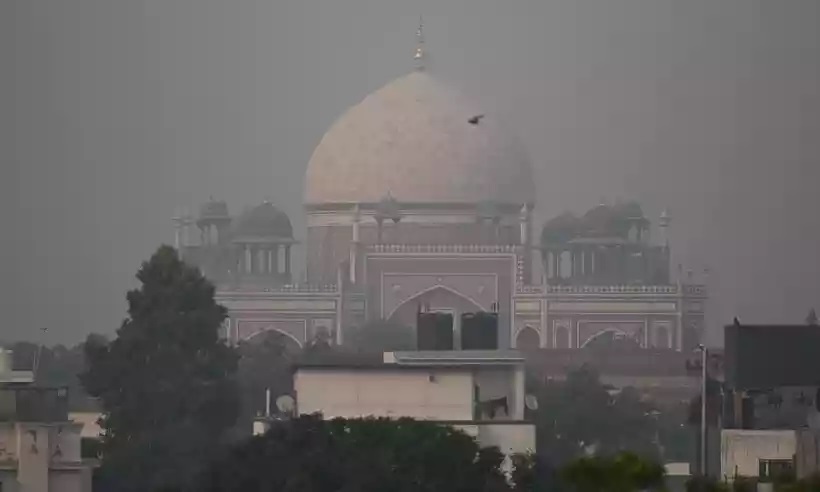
{"x": 114, "y": 113}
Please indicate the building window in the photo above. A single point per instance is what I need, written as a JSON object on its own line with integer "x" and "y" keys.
{"x": 561, "y": 338}
{"x": 663, "y": 338}
{"x": 775, "y": 469}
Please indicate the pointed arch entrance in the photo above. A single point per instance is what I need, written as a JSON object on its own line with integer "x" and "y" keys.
{"x": 613, "y": 338}
{"x": 273, "y": 333}
{"x": 436, "y": 299}
{"x": 527, "y": 338}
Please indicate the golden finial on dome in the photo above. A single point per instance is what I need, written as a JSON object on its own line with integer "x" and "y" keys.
{"x": 419, "y": 56}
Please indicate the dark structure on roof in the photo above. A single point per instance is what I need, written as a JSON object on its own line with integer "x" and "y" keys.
{"x": 761, "y": 357}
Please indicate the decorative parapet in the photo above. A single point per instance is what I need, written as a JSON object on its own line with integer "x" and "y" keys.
{"x": 529, "y": 289}
{"x": 685, "y": 290}
{"x": 443, "y": 248}
{"x": 612, "y": 289}
{"x": 693, "y": 290}
{"x": 281, "y": 289}
{"x": 615, "y": 289}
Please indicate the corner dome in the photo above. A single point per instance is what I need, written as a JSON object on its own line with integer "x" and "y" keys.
{"x": 560, "y": 229}
{"x": 421, "y": 142}
{"x": 263, "y": 222}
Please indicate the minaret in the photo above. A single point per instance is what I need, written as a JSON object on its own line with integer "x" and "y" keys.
{"x": 524, "y": 220}
{"x": 420, "y": 53}
{"x": 177, "y": 219}
{"x": 663, "y": 223}
{"x": 182, "y": 221}
{"x": 532, "y": 270}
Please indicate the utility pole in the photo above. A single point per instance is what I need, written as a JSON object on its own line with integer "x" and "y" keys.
{"x": 703, "y": 374}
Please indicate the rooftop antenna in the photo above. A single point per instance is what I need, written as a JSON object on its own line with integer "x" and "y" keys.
{"x": 664, "y": 222}
{"x": 419, "y": 56}
{"x": 39, "y": 352}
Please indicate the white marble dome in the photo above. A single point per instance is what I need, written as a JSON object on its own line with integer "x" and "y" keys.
{"x": 414, "y": 140}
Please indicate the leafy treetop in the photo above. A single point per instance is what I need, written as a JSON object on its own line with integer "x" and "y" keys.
{"x": 166, "y": 382}
{"x": 362, "y": 455}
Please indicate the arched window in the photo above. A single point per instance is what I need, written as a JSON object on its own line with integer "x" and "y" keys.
{"x": 662, "y": 337}
{"x": 527, "y": 339}
{"x": 612, "y": 339}
{"x": 561, "y": 337}
{"x": 274, "y": 337}
{"x": 565, "y": 264}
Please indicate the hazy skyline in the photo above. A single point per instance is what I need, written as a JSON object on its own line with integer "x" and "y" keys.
{"x": 116, "y": 113}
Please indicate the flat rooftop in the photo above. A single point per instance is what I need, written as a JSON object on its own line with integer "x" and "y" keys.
{"x": 16, "y": 377}
{"x": 453, "y": 359}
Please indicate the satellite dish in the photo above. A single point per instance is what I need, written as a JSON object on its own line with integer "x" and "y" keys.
{"x": 531, "y": 402}
{"x": 285, "y": 403}
{"x": 589, "y": 450}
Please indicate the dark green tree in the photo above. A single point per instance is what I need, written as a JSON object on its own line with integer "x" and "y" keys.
{"x": 700, "y": 483}
{"x": 368, "y": 455}
{"x": 581, "y": 416}
{"x": 806, "y": 484}
{"x": 265, "y": 363}
{"x": 525, "y": 472}
{"x": 623, "y": 472}
{"x": 166, "y": 383}
{"x": 811, "y": 318}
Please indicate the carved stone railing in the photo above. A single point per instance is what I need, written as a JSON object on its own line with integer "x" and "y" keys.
{"x": 694, "y": 290}
{"x": 612, "y": 289}
{"x": 529, "y": 289}
{"x": 686, "y": 290}
{"x": 280, "y": 289}
{"x": 443, "y": 248}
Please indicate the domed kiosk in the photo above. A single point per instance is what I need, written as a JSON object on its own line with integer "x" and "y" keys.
{"x": 262, "y": 237}
{"x": 263, "y": 223}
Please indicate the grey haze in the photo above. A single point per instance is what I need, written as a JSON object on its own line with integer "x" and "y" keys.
{"x": 115, "y": 112}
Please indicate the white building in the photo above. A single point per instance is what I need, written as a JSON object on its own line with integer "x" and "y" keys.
{"x": 779, "y": 433}
{"x": 481, "y": 393}
{"x": 39, "y": 445}
{"x": 756, "y": 453}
